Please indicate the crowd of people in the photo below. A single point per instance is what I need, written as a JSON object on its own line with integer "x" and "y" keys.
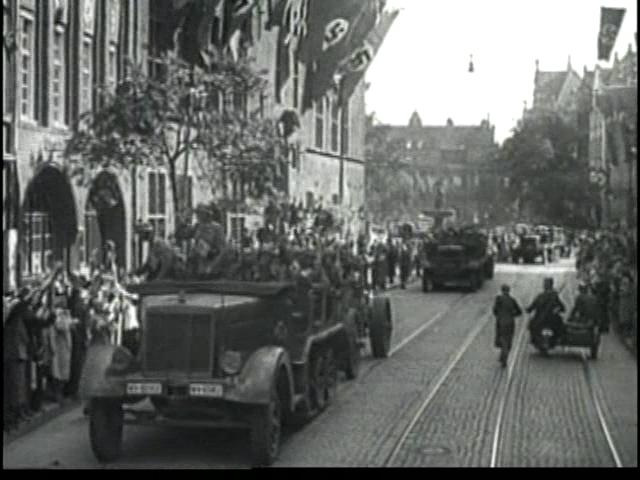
{"x": 48, "y": 325}
{"x": 607, "y": 262}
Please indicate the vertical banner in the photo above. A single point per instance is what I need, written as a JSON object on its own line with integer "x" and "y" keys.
{"x": 610, "y": 23}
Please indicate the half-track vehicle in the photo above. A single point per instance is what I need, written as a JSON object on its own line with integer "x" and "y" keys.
{"x": 459, "y": 258}
{"x": 251, "y": 355}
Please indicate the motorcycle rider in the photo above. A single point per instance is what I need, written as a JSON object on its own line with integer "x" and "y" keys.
{"x": 505, "y": 309}
{"x": 547, "y": 307}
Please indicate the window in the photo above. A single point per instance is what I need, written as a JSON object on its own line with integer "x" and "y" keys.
{"x": 335, "y": 123}
{"x": 6, "y": 26}
{"x": 58, "y": 76}
{"x": 85, "y": 79}
{"x": 37, "y": 238}
{"x": 185, "y": 192}
{"x": 157, "y": 211}
{"x": 319, "y": 119}
{"x": 345, "y": 128}
{"x": 296, "y": 80}
{"x": 27, "y": 67}
{"x": 112, "y": 68}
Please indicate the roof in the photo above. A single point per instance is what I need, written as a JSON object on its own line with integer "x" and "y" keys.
{"x": 550, "y": 83}
{"x": 251, "y": 289}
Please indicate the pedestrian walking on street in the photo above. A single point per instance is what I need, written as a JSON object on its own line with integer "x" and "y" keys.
{"x": 405, "y": 263}
{"x": 506, "y": 310}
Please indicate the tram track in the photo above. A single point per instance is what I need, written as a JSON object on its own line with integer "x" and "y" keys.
{"x": 595, "y": 397}
{"x": 469, "y": 340}
{"x": 390, "y": 460}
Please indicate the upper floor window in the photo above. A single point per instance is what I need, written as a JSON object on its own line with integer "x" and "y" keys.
{"x": 335, "y": 124}
{"x": 157, "y": 209}
{"x": 6, "y": 26}
{"x": 58, "y": 76}
{"x": 319, "y": 123}
{"x": 345, "y": 128}
{"x": 27, "y": 67}
{"x": 86, "y": 91}
{"x": 112, "y": 67}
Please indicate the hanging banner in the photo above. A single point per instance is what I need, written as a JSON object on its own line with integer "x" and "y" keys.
{"x": 610, "y": 22}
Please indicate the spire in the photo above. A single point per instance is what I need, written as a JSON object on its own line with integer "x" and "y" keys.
{"x": 569, "y": 64}
{"x": 415, "y": 120}
{"x": 537, "y": 65}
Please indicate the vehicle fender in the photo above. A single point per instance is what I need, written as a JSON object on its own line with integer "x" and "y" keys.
{"x": 94, "y": 381}
{"x": 253, "y": 384}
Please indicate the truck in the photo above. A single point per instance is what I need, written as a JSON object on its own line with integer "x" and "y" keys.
{"x": 232, "y": 354}
{"x": 458, "y": 257}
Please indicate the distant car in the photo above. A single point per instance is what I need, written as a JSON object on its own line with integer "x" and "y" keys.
{"x": 529, "y": 250}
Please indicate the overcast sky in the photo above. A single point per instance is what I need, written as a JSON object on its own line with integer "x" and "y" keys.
{"x": 423, "y": 63}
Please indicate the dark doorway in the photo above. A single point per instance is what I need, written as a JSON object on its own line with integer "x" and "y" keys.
{"x": 49, "y": 223}
{"x": 105, "y": 218}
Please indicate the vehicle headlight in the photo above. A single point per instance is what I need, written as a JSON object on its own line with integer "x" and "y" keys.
{"x": 231, "y": 362}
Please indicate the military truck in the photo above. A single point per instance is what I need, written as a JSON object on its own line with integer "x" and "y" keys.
{"x": 457, "y": 257}
{"x": 250, "y": 355}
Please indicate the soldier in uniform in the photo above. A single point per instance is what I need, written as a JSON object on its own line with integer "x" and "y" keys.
{"x": 585, "y": 308}
{"x": 547, "y": 306}
{"x": 506, "y": 310}
{"x": 405, "y": 263}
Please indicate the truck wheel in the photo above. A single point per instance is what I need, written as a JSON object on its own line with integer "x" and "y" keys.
{"x": 106, "y": 420}
{"x": 266, "y": 430}
{"x": 380, "y": 328}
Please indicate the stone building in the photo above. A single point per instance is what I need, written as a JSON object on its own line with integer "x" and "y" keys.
{"x": 55, "y": 55}
{"x": 556, "y": 92}
{"x": 456, "y": 159}
{"x": 613, "y": 138}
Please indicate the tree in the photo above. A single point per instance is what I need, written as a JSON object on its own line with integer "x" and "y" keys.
{"x": 158, "y": 120}
{"x": 392, "y": 185}
{"x": 547, "y": 179}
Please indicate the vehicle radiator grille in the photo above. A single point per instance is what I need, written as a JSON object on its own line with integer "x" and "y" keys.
{"x": 178, "y": 343}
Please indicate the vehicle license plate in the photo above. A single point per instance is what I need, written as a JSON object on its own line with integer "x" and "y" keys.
{"x": 205, "y": 390}
{"x": 144, "y": 388}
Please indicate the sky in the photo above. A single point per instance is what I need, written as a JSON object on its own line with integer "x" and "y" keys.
{"x": 423, "y": 63}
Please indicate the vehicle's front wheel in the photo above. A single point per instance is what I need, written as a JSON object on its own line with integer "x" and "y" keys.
{"x": 106, "y": 420}
{"x": 266, "y": 431}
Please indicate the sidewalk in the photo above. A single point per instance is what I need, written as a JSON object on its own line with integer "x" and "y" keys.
{"x": 49, "y": 412}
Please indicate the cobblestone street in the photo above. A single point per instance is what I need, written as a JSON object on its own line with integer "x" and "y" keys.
{"x": 549, "y": 418}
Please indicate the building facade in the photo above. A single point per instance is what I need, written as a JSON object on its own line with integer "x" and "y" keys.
{"x": 450, "y": 161}
{"x": 56, "y": 55}
{"x": 613, "y": 138}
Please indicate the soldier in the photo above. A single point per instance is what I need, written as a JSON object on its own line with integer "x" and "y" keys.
{"x": 405, "y": 263}
{"x": 392, "y": 260}
{"x": 585, "y": 308}
{"x": 506, "y": 310}
{"x": 547, "y": 307}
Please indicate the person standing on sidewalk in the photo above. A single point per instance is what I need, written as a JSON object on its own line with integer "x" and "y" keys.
{"x": 405, "y": 263}
{"x": 506, "y": 310}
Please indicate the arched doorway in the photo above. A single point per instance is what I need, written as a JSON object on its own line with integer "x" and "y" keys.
{"x": 49, "y": 222}
{"x": 105, "y": 218}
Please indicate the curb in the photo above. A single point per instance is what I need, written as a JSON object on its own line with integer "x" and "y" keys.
{"x": 38, "y": 421}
